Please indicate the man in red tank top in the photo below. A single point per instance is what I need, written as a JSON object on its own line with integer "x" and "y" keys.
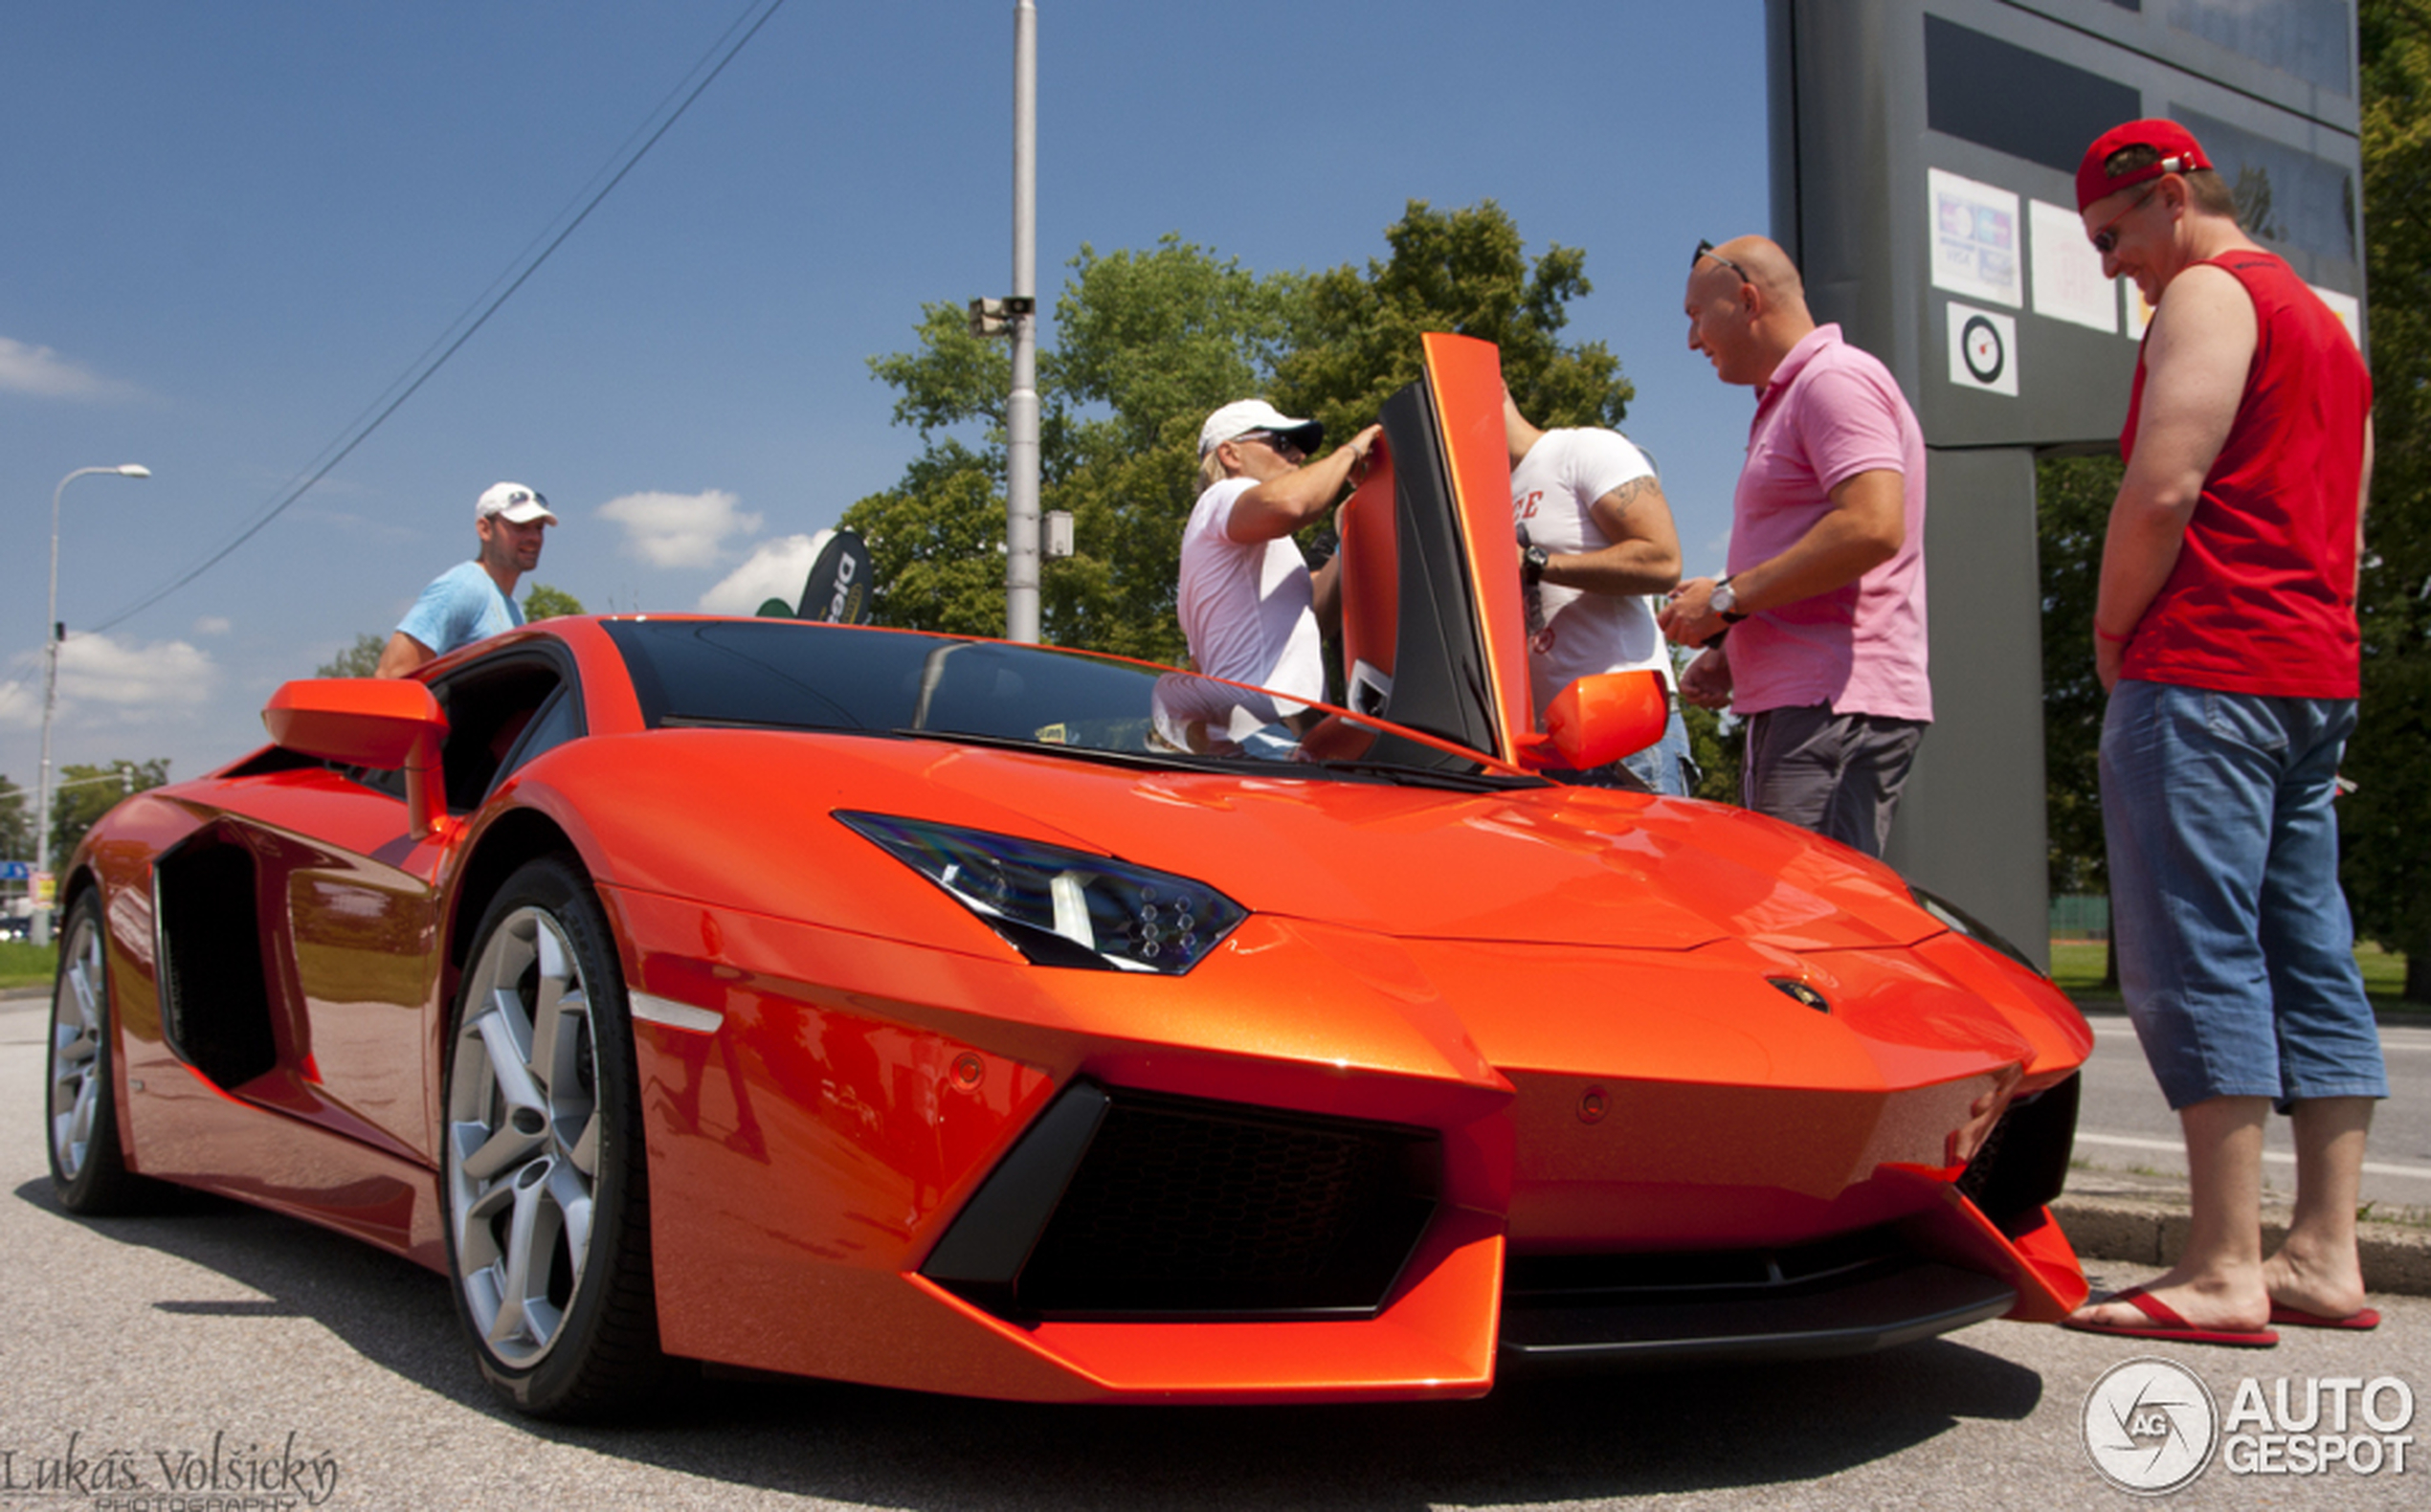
{"x": 2225, "y": 633}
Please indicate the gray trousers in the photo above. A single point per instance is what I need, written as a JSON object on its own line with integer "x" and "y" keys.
{"x": 1836, "y": 774}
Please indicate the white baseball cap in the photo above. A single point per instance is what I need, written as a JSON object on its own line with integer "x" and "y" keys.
{"x": 1244, "y": 416}
{"x": 513, "y": 502}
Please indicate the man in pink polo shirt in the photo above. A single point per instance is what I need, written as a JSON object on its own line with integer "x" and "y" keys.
{"x": 1824, "y": 600}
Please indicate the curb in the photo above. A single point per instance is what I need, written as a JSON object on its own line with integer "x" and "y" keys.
{"x": 2397, "y": 1258}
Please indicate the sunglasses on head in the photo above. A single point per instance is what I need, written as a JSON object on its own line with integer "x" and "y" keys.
{"x": 1704, "y": 250}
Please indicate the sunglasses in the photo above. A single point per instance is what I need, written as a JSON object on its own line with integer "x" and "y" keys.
{"x": 1280, "y": 445}
{"x": 1704, "y": 250}
{"x": 2106, "y": 239}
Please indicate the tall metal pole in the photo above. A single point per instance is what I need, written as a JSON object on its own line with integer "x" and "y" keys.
{"x": 1021, "y": 408}
{"x": 41, "y": 923}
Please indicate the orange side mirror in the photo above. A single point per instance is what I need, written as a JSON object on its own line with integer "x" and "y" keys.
{"x": 386, "y": 723}
{"x": 1599, "y": 719}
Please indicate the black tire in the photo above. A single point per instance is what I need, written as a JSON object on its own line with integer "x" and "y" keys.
{"x": 542, "y": 1167}
{"x": 88, "y": 1167}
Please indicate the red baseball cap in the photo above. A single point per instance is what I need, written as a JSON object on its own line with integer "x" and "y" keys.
{"x": 2180, "y": 153}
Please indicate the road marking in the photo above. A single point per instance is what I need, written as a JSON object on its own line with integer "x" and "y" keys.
{"x": 2173, "y": 1146}
{"x": 2394, "y": 1039}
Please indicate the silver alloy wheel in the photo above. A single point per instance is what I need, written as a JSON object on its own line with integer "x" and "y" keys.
{"x": 522, "y": 1137}
{"x": 77, "y": 1021}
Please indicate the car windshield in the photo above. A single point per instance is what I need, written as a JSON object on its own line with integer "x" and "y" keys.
{"x": 792, "y": 675}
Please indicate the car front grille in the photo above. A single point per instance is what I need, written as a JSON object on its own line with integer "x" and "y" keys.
{"x": 1179, "y": 1205}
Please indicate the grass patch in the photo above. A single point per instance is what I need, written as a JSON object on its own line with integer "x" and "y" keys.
{"x": 23, "y": 965}
{"x": 2076, "y": 965}
{"x": 2384, "y": 972}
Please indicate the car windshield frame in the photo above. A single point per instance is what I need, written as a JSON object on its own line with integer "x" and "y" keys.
{"x": 790, "y": 675}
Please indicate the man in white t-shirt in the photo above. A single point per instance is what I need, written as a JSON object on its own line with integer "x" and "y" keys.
{"x": 1598, "y": 544}
{"x": 1249, "y": 606}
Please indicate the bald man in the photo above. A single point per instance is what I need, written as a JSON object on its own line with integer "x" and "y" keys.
{"x": 1823, "y": 604}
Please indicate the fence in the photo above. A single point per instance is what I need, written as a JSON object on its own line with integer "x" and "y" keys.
{"x": 2082, "y": 916}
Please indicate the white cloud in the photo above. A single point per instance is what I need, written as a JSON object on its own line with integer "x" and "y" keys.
{"x": 679, "y": 530}
{"x": 21, "y": 700}
{"x": 134, "y": 684}
{"x": 212, "y": 625}
{"x": 45, "y": 374}
{"x": 776, "y": 569}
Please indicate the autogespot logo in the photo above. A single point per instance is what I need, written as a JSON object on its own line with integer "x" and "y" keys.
{"x": 2149, "y": 1426}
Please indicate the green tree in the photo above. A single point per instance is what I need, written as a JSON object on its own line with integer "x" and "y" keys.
{"x": 1148, "y": 343}
{"x": 1463, "y": 271}
{"x": 1717, "y": 743}
{"x": 16, "y": 828}
{"x": 362, "y": 659}
{"x": 84, "y": 794}
{"x": 2072, "y": 512}
{"x": 936, "y": 544}
{"x": 543, "y": 602}
{"x": 2387, "y": 865}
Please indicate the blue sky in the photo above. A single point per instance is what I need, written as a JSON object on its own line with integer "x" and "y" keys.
{"x": 232, "y": 226}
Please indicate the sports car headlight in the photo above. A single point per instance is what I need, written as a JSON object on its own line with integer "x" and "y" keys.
{"x": 1062, "y": 908}
{"x": 1960, "y": 922}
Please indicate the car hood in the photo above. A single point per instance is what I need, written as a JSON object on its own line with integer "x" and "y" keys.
{"x": 747, "y": 817}
{"x": 1580, "y": 867}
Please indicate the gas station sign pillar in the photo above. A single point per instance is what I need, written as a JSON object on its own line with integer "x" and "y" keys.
{"x": 1924, "y": 161}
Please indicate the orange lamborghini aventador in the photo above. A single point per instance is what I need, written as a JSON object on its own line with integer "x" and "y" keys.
{"x": 988, "y": 1018}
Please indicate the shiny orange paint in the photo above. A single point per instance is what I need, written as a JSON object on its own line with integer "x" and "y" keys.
{"x": 1465, "y": 378}
{"x": 388, "y": 723}
{"x": 1572, "y": 988}
{"x": 1597, "y": 721}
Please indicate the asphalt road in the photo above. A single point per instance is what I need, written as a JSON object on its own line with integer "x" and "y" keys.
{"x": 233, "y": 1337}
{"x": 2123, "y": 1124}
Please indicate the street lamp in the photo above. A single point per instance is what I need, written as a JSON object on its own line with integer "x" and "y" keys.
{"x": 51, "y": 638}
{"x": 1017, "y": 315}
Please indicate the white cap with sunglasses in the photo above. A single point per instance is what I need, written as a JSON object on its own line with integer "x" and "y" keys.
{"x": 513, "y": 503}
{"x": 1243, "y": 417}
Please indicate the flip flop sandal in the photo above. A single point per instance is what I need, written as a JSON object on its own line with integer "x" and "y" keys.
{"x": 2168, "y": 1327}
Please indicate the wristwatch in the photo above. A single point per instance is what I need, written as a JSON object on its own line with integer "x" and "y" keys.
{"x": 1532, "y": 566}
{"x": 1724, "y": 602}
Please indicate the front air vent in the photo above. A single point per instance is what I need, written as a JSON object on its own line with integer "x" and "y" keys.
{"x": 2024, "y": 1161}
{"x": 1161, "y": 1205}
{"x": 215, "y": 992}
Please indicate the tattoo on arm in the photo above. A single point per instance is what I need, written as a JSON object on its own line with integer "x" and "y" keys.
{"x": 1630, "y": 492}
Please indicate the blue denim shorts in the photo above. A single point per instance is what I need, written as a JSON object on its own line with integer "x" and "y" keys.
{"x": 2236, "y": 950}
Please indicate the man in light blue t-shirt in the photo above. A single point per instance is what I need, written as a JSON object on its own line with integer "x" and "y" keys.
{"x": 477, "y": 598}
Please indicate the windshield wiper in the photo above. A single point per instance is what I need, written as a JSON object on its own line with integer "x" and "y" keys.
{"x": 1432, "y": 776}
{"x": 1151, "y": 761}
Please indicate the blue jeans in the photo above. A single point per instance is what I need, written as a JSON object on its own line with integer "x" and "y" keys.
{"x": 1665, "y": 767}
{"x": 2236, "y": 952}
